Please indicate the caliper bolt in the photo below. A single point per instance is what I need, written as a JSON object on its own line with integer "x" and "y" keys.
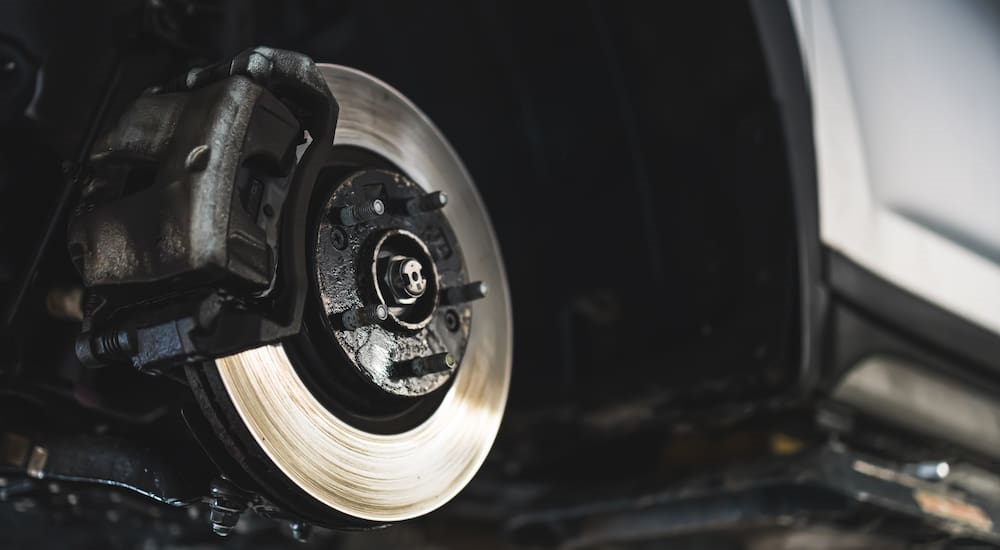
{"x": 111, "y": 345}
{"x": 226, "y": 505}
{"x": 426, "y": 203}
{"x": 464, "y": 293}
{"x": 359, "y": 213}
{"x": 363, "y": 316}
{"x": 420, "y": 366}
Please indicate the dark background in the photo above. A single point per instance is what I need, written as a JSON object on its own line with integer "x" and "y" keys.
{"x": 631, "y": 159}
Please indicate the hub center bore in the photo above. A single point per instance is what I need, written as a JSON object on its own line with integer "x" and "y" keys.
{"x": 406, "y": 279}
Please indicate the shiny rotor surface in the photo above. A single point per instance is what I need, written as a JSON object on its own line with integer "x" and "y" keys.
{"x": 389, "y": 477}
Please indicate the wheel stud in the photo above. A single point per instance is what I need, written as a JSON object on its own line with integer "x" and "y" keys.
{"x": 420, "y": 366}
{"x": 426, "y": 203}
{"x": 360, "y": 213}
{"x": 465, "y": 293}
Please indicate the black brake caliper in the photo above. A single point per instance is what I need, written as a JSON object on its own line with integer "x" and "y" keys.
{"x": 190, "y": 236}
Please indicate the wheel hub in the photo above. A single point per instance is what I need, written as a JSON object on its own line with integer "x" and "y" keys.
{"x": 384, "y": 244}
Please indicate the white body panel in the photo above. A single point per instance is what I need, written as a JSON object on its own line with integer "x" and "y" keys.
{"x": 906, "y": 107}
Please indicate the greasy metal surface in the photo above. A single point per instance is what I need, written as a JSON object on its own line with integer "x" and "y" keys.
{"x": 397, "y": 476}
{"x": 348, "y": 277}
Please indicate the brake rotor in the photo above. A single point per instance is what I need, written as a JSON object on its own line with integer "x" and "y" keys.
{"x": 290, "y": 435}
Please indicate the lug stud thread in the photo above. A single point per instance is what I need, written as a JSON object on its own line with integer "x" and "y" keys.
{"x": 426, "y": 203}
{"x": 465, "y": 293}
{"x": 421, "y": 366}
{"x": 360, "y": 213}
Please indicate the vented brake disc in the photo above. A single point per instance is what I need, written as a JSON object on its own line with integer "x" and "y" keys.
{"x": 388, "y": 402}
